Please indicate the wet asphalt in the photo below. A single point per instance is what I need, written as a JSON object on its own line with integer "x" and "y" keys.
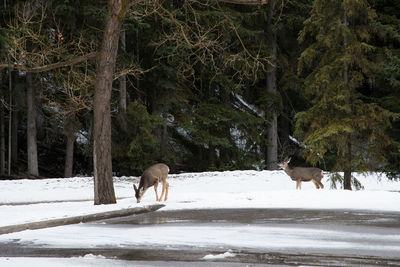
{"x": 382, "y": 225}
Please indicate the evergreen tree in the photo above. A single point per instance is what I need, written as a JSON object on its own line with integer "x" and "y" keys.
{"x": 342, "y": 121}
{"x": 386, "y": 87}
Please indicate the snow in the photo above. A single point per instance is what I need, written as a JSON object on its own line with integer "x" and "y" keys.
{"x": 23, "y": 201}
{"x": 253, "y": 108}
{"x": 62, "y": 262}
{"x": 208, "y": 190}
{"x": 82, "y": 262}
{"x": 227, "y": 254}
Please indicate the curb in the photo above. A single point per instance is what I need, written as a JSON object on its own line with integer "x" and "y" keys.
{"x": 49, "y": 201}
{"x": 79, "y": 219}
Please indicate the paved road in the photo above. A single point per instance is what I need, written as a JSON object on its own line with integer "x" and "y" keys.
{"x": 279, "y": 237}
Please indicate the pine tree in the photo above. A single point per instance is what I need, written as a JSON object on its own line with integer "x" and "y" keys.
{"x": 386, "y": 89}
{"x": 339, "y": 63}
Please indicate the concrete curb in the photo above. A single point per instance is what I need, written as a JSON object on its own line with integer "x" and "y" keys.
{"x": 79, "y": 219}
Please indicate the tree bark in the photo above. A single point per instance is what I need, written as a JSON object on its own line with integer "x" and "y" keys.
{"x": 122, "y": 87}
{"x": 18, "y": 97}
{"x": 347, "y": 170}
{"x": 33, "y": 168}
{"x": 69, "y": 156}
{"x": 122, "y": 79}
{"x": 103, "y": 183}
{"x": 137, "y": 56}
{"x": 10, "y": 119}
{"x": 2, "y": 142}
{"x": 272, "y": 132}
{"x": 14, "y": 137}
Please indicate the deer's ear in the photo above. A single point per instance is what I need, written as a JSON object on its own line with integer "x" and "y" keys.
{"x": 135, "y": 188}
{"x": 289, "y": 160}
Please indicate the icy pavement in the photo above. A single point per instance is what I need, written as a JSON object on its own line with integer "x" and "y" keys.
{"x": 252, "y": 236}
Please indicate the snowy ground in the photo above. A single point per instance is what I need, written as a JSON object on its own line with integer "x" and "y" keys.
{"x": 236, "y": 189}
{"x": 25, "y": 201}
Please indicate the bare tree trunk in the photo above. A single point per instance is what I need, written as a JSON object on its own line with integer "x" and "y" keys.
{"x": 10, "y": 84}
{"x": 33, "y": 168}
{"x": 2, "y": 128}
{"x": 14, "y": 137}
{"x": 17, "y": 104}
{"x": 69, "y": 131}
{"x": 122, "y": 79}
{"x": 272, "y": 132}
{"x": 69, "y": 156}
{"x": 2, "y": 142}
{"x": 122, "y": 87}
{"x": 347, "y": 168}
{"x": 137, "y": 56}
{"x": 103, "y": 183}
{"x": 10, "y": 119}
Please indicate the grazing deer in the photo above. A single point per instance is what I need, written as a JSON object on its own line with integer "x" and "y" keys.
{"x": 151, "y": 177}
{"x": 300, "y": 174}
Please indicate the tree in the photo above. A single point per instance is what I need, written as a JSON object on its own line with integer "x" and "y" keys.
{"x": 342, "y": 122}
{"x": 103, "y": 183}
{"x": 272, "y": 132}
{"x": 386, "y": 88}
{"x": 33, "y": 165}
{"x": 70, "y": 130}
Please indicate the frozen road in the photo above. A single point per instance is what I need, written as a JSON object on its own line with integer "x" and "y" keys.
{"x": 281, "y": 237}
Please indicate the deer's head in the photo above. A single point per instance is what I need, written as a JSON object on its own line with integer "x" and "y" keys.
{"x": 284, "y": 164}
{"x": 138, "y": 193}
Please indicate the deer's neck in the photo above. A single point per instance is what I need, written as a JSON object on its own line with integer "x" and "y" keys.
{"x": 141, "y": 183}
{"x": 288, "y": 170}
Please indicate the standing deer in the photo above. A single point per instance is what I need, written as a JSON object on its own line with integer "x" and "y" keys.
{"x": 151, "y": 177}
{"x": 300, "y": 174}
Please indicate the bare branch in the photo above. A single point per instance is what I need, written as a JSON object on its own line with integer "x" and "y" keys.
{"x": 53, "y": 66}
{"x": 245, "y": 2}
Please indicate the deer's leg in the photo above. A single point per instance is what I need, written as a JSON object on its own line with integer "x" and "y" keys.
{"x": 298, "y": 184}
{"x": 316, "y": 184}
{"x": 163, "y": 190}
{"x": 155, "y": 189}
{"x": 166, "y": 190}
{"x": 321, "y": 185}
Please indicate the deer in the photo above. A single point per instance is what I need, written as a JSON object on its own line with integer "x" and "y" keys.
{"x": 151, "y": 177}
{"x": 301, "y": 174}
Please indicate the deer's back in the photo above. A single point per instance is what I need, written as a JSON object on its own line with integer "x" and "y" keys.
{"x": 156, "y": 171}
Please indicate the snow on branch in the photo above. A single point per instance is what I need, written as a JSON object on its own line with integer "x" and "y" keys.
{"x": 251, "y": 107}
